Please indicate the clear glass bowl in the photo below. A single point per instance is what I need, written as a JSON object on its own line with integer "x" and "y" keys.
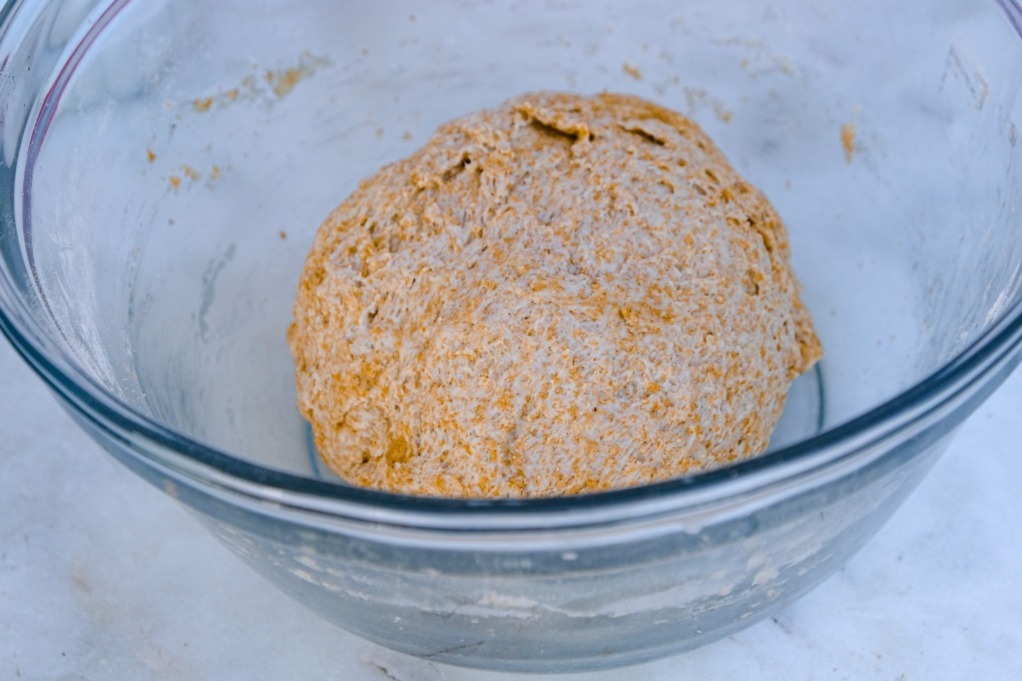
{"x": 165, "y": 164}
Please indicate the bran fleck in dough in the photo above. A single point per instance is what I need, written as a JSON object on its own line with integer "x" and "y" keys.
{"x": 563, "y": 294}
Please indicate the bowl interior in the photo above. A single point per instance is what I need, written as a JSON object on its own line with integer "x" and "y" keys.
{"x": 187, "y": 151}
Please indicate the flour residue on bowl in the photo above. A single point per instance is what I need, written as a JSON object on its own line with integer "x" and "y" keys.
{"x": 848, "y": 140}
{"x": 265, "y": 84}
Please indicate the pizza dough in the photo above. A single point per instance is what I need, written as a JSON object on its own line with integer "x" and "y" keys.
{"x": 563, "y": 294}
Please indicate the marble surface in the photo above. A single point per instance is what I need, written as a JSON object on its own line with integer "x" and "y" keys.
{"x": 104, "y": 577}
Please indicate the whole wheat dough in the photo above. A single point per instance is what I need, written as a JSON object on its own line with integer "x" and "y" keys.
{"x": 563, "y": 294}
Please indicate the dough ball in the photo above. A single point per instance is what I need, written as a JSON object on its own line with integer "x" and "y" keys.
{"x": 563, "y": 294}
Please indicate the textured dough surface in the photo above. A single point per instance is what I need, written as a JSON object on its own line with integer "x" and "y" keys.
{"x": 563, "y": 294}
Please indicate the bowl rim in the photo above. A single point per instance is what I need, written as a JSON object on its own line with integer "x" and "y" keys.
{"x": 209, "y": 466}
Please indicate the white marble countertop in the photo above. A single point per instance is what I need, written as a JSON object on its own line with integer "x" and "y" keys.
{"x": 104, "y": 577}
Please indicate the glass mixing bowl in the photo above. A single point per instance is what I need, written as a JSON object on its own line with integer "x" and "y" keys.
{"x": 165, "y": 164}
